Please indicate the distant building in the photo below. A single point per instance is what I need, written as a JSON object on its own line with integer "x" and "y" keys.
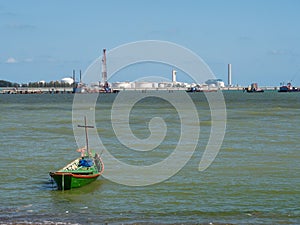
{"x": 148, "y": 85}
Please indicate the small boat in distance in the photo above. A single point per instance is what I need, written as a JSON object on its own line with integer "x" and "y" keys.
{"x": 254, "y": 89}
{"x": 81, "y": 171}
{"x": 197, "y": 89}
{"x": 288, "y": 88}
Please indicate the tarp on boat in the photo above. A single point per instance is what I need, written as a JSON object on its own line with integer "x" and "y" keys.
{"x": 86, "y": 162}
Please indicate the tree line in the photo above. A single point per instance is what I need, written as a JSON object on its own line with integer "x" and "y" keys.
{"x": 4, "y": 83}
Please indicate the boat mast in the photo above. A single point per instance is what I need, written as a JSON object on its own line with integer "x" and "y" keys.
{"x": 86, "y": 135}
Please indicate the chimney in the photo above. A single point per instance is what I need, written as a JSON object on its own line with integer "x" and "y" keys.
{"x": 104, "y": 71}
{"x": 174, "y": 76}
{"x": 229, "y": 75}
{"x": 74, "y": 78}
{"x": 80, "y": 77}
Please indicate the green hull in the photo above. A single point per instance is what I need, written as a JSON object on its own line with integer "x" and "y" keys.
{"x": 74, "y": 175}
{"x": 66, "y": 181}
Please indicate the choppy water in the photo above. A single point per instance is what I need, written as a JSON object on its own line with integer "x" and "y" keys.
{"x": 255, "y": 178}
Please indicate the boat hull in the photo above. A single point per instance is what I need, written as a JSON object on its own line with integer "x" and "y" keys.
{"x": 288, "y": 88}
{"x": 257, "y": 91}
{"x": 66, "y": 181}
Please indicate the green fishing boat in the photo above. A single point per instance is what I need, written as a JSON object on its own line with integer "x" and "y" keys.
{"x": 81, "y": 171}
{"x": 78, "y": 173}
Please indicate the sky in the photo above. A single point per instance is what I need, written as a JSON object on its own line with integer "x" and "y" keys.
{"x": 46, "y": 40}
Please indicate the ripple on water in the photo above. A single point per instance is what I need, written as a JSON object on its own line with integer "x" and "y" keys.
{"x": 253, "y": 180}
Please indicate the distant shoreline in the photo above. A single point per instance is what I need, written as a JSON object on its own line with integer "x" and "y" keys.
{"x": 70, "y": 90}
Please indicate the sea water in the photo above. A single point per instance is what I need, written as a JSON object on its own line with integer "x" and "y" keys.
{"x": 255, "y": 178}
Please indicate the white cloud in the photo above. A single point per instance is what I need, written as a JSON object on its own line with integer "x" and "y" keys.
{"x": 11, "y": 60}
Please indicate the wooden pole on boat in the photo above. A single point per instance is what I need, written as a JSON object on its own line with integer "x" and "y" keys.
{"x": 86, "y": 135}
{"x": 63, "y": 182}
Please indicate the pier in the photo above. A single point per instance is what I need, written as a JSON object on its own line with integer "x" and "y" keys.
{"x": 39, "y": 90}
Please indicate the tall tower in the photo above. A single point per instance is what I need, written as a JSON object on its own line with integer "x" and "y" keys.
{"x": 104, "y": 71}
{"x": 74, "y": 83}
{"x": 80, "y": 80}
{"x": 174, "y": 76}
{"x": 229, "y": 75}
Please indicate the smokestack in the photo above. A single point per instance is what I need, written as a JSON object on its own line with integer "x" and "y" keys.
{"x": 74, "y": 78}
{"x": 104, "y": 71}
{"x": 80, "y": 76}
{"x": 229, "y": 75}
{"x": 174, "y": 76}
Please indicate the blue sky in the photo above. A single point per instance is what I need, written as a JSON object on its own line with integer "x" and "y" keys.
{"x": 46, "y": 40}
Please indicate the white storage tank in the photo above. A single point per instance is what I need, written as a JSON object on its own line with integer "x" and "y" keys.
{"x": 143, "y": 85}
{"x": 121, "y": 85}
{"x": 161, "y": 85}
{"x": 67, "y": 80}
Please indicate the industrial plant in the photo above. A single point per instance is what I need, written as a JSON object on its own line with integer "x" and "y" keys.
{"x": 172, "y": 84}
{"x": 70, "y": 85}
